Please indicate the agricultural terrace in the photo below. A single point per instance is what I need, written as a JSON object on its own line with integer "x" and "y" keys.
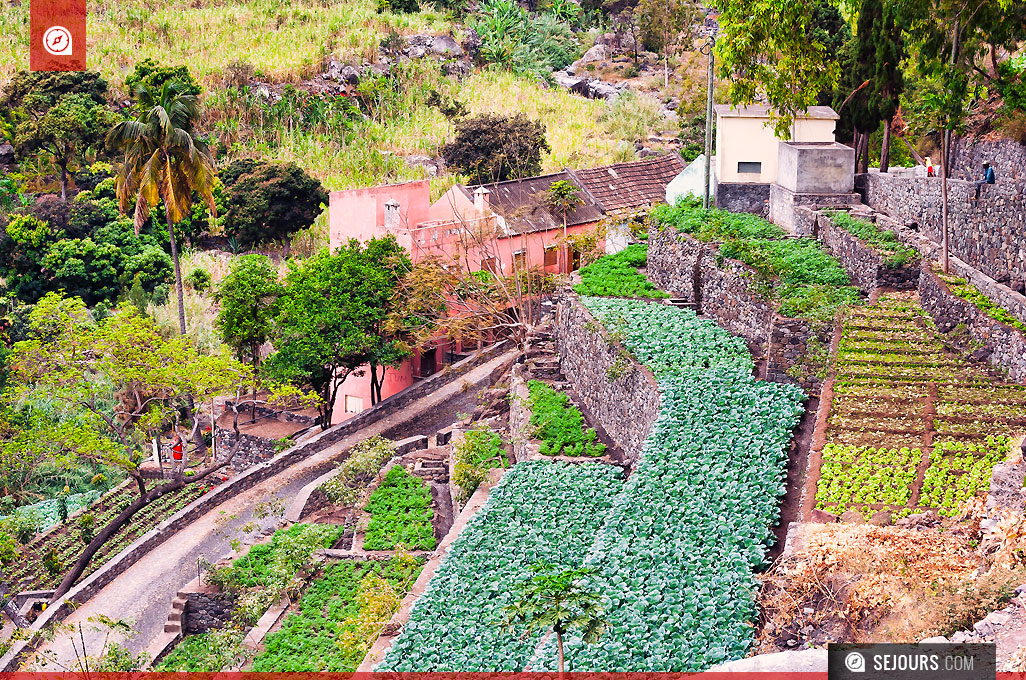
{"x": 912, "y": 427}
{"x": 803, "y": 279}
{"x": 675, "y": 549}
{"x": 539, "y": 512}
{"x": 617, "y": 275}
{"x": 559, "y": 424}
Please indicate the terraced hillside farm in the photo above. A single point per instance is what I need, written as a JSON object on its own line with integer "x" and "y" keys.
{"x": 912, "y": 426}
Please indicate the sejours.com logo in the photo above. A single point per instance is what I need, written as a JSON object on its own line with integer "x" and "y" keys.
{"x": 855, "y": 662}
{"x": 927, "y": 661}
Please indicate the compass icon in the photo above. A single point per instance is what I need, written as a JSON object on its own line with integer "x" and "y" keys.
{"x": 57, "y": 41}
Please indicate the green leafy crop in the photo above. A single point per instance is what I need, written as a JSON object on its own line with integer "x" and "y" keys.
{"x": 617, "y": 275}
{"x": 560, "y": 424}
{"x": 400, "y": 513}
{"x": 884, "y": 241}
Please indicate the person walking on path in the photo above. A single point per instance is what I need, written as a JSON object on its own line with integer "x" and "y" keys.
{"x": 988, "y": 178}
{"x": 930, "y": 171}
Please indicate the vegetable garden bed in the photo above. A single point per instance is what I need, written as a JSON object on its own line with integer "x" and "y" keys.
{"x": 60, "y": 547}
{"x": 540, "y": 511}
{"x": 559, "y": 424}
{"x": 912, "y": 426}
{"x": 617, "y": 275}
{"x": 401, "y": 513}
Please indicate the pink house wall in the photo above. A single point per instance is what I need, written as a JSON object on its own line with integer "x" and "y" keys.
{"x": 425, "y": 230}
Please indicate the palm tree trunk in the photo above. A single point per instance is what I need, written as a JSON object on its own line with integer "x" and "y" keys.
{"x": 179, "y": 288}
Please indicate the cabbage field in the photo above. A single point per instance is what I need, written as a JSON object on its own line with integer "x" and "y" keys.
{"x": 676, "y": 548}
{"x": 541, "y": 511}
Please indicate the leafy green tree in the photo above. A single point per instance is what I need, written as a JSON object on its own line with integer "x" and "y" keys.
{"x": 63, "y": 130}
{"x": 562, "y": 198}
{"x": 11, "y": 195}
{"x": 561, "y": 601}
{"x": 772, "y": 49}
{"x": 661, "y": 22}
{"x": 24, "y": 243}
{"x": 165, "y": 161}
{"x": 873, "y": 82}
{"x": 331, "y": 317}
{"x": 495, "y": 148}
{"x": 129, "y": 383}
{"x": 49, "y": 87}
{"x": 248, "y": 299}
{"x": 270, "y": 201}
{"x": 153, "y": 76}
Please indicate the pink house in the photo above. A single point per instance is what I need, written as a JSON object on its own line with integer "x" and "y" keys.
{"x": 493, "y": 227}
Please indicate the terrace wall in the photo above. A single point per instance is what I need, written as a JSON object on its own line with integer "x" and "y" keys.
{"x": 743, "y": 197}
{"x": 987, "y": 234}
{"x": 625, "y": 406}
{"x": 863, "y": 264}
{"x": 1004, "y": 346}
{"x": 726, "y": 290}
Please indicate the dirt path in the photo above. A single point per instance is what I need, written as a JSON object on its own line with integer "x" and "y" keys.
{"x": 144, "y": 591}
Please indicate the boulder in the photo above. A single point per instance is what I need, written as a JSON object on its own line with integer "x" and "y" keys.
{"x": 881, "y": 519}
{"x": 431, "y": 166}
{"x": 460, "y": 68}
{"x": 823, "y": 517}
{"x": 853, "y": 517}
{"x": 940, "y": 639}
{"x": 6, "y": 154}
{"x": 349, "y": 76}
{"x": 598, "y": 52}
{"x": 418, "y": 46}
{"x": 472, "y": 43}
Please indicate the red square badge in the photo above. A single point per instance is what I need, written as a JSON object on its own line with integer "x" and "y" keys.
{"x": 58, "y": 35}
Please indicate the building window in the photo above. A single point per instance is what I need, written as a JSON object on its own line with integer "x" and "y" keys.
{"x": 551, "y": 256}
{"x": 520, "y": 260}
{"x": 749, "y": 168}
{"x": 353, "y": 404}
{"x": 489, "y": 264}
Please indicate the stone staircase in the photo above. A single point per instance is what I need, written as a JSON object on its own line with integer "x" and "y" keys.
{"x": 174, "y": 619}
{"x": 541, "y": 358}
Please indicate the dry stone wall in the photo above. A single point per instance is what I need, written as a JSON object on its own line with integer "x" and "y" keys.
{"x": 864, "y": 265}
{"x": 1007, "y": 156}
{"x": 1004, "y": 346}
{"x": 743, "y": 197}
{"x": 989, "y": 234}
{"x": 727, "y": 291}
{"x": 624, "y": 403}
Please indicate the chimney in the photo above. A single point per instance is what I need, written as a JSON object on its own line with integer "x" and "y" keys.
{"x": 392, "y": 215}
{"x": 481, "y": 199}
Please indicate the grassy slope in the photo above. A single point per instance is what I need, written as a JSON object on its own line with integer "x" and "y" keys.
{"x": 286, "y": 41}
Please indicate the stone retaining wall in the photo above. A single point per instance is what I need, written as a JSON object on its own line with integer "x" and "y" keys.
{"x": 625, "y": 406}
{"x": 727, "y": 291}
{"x": 743, "y": 197}
{"x": 864, "y": 265}
{"x": 1005, "y": 346}
{"x": 988, "y": 235}
{"x": 1007, "y": 156}
{"x": 207, "y": 609}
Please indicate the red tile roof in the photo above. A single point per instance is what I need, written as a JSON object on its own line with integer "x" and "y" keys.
{"x": 520, "y": 203}
{"x": 630, "y": 185}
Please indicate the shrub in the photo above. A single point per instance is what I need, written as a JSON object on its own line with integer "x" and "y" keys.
{"x": 495, "y": 148}
{"x": 198, "y": 279}
{"x": 151, "y": 74}
{"x": 476, "y": 452}
{"x": 270, "y": 201}
{"x": 534, "y": 45}
{"x": 364, "y": 461}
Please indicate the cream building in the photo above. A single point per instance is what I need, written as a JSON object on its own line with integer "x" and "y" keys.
{"x": 747, "y": 149}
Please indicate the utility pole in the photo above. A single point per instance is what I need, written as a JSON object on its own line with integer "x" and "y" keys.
{"x": 708, "y": 48}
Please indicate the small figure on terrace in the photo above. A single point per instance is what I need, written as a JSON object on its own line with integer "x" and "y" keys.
{"x": 988, "y": 178}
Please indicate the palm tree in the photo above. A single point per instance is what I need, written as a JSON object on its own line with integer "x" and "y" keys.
{"x": 164, "y": 161}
